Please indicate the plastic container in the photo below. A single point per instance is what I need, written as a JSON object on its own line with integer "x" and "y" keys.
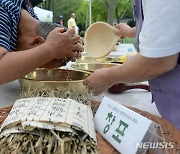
{"x": 129, "y": 54}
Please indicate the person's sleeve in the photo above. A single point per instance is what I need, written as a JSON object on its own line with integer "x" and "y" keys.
{"x": 5, "y": 29}
{"x": 160, "y": 33}
{"x": 31, "y": 12}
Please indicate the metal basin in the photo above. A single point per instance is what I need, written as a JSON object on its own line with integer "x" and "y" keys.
{"x": 91, "y": 67}
{"x": 53, "y": 82}
{"x": 83, "y": 59}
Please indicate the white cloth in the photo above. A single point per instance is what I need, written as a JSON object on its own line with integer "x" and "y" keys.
{"x": 160, "y": 34}
{"x": 77, "y": 30}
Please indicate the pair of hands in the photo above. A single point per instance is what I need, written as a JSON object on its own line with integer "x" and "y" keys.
{"x": 65, "y": 47}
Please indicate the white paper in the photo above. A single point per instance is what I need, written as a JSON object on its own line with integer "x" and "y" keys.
{"x": 120, "y": 126}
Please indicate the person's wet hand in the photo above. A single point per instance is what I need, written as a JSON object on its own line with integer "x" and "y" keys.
{"x": 98, "y": 81}
{"x": 64, "y": 44}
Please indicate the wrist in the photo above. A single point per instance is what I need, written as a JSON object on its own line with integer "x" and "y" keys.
{"x": 49, "y": 49}
{"x": 131, "y": 32}
{"x": 111, "y": 75}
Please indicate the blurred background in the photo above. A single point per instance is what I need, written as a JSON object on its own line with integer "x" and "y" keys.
{"x": 87, "y": 12}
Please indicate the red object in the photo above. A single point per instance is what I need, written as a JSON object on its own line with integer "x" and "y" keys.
{"x": 121, "y": 87}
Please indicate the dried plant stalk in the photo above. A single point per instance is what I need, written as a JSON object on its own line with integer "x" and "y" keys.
{"x": 48, "y": 142}
{"x": 59, "y": 93}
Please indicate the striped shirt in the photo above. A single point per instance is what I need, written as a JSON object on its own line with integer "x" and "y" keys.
{"x": 10, "y": 11}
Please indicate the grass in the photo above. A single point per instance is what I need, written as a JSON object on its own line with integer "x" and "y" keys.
{"x": 130, "y": 40}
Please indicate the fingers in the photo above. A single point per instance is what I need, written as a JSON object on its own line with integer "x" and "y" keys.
{"x": 90, "y": 88}
{"x": 117, "y": 26}
{"x": 120, "y": 26}
{"x": 75, "y": 55}
{"x": 76, "y": 40}
{"x": 98, "y": 81}
{"x": 61, "y": 30}
{"x": 78, "y": 55}
{"x": 81, "y": 41}
{"x": 78, "y": 47}
{"x": 66, "y": 44}
{"x": 71, "y": 32}
{"x": 118, "y": 29}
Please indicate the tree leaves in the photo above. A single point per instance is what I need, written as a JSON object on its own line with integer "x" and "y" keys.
{"x": 110, "y": 11}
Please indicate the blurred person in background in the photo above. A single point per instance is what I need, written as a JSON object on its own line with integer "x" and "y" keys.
{"x": 61, "y": 21}
{"x": 72, "y": 23}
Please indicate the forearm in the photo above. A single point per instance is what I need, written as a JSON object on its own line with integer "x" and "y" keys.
{"x": 140, "y": 68}
{"x": 14, "y": 65}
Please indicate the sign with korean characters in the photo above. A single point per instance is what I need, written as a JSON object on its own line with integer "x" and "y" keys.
{"x": 120, "y": 126}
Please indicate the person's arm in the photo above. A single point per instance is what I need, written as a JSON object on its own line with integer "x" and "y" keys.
{"x": 139, "y": 68}
{"x": 156, "y": 40}
{"x": 14, "y": 65}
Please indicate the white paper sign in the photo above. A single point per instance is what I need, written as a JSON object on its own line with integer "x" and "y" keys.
{"x": 120, "y": 126}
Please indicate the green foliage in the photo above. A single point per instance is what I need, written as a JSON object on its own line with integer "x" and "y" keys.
{"x": 81, "y": 8}
{"x": 128, "y": 13}
{"x": 64, "y": 8}
{"x": 130, "y": 40}
{"x": 82, "y": 32}
{"x": 99, "y": 12}
{"x": 131, "y": 23}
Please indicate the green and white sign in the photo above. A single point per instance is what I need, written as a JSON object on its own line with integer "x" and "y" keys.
{"x": 120, "y": 126}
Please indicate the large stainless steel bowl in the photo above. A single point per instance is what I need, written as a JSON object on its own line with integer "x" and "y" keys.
{"x": 53, "y": 82}
{"x": 91, "y": 67}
